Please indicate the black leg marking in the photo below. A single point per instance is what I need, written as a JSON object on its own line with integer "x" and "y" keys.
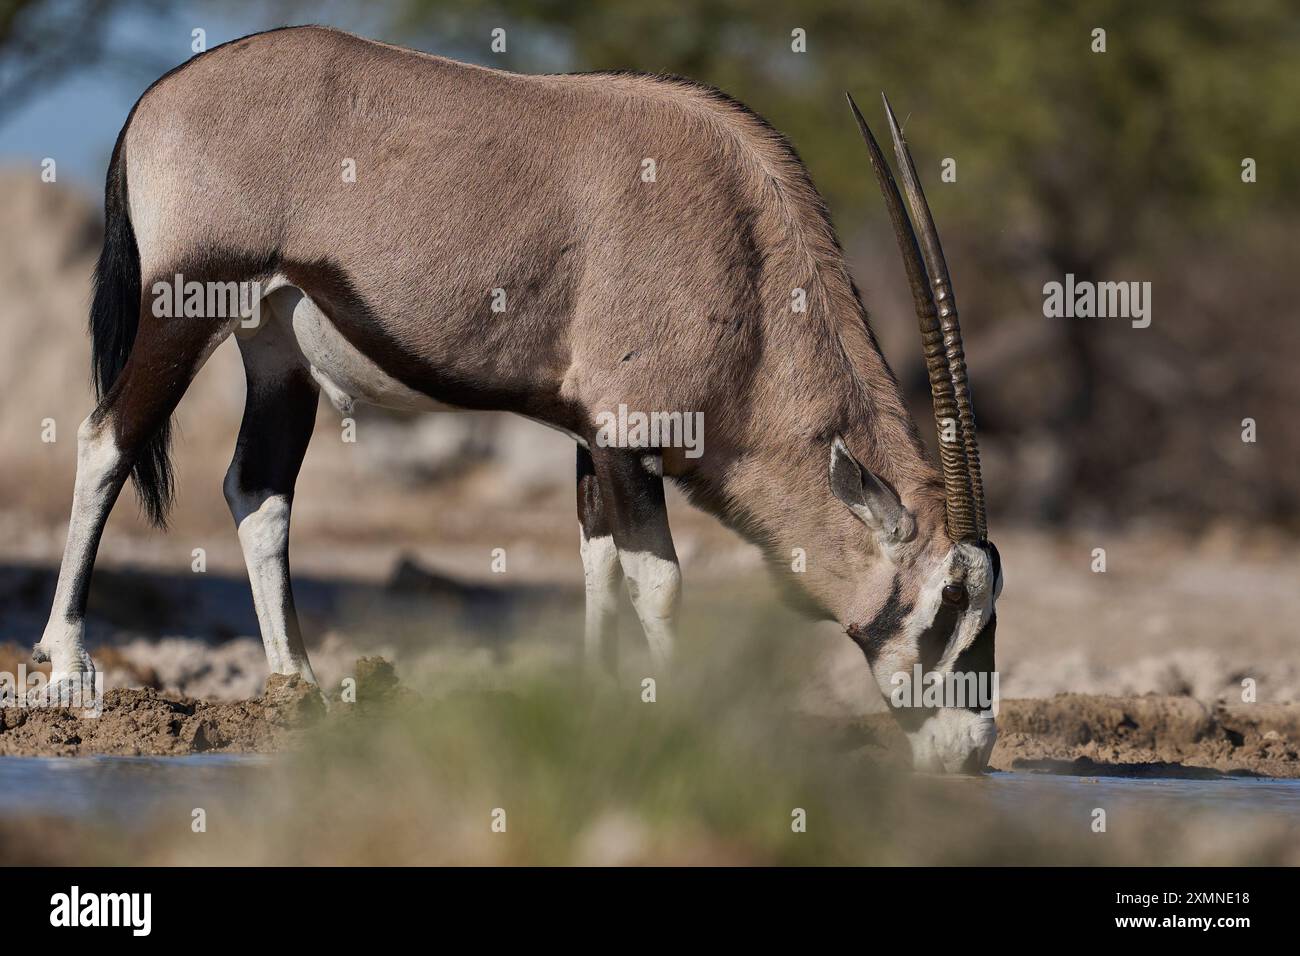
{"x": 279, "y": 414}
{"x": 600, "y": 569}
{"x": 632, "y": 489}
{"x": 635, "y": 498}
{"x": 593, "y": 516}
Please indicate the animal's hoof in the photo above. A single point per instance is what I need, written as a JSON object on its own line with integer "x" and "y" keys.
{"x": 78, "y": 691}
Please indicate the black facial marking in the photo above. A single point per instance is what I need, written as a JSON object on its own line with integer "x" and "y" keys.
{"x": 978, "y": 658}
{"x": 871, "y": 637}
{"x": 995, "y": 559}
{"x": 934, "y": 639}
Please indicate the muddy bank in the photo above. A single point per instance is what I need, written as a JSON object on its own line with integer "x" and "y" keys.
{"x": 1148, "y": 736}
{"x": 145, "y": 722}
{"x": 1071, "y": 733}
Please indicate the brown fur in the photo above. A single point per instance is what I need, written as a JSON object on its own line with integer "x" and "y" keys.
{"x": 672, "y": 295}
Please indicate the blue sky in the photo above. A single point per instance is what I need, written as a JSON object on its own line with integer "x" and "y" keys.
{"x": 76, "y": 121}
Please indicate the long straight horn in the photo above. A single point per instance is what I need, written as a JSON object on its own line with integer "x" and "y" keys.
{"x": 958, "y": 499}
{"x": 937, "y": 268}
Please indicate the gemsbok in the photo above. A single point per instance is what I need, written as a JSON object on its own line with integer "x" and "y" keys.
{"x": 675, "y": 292}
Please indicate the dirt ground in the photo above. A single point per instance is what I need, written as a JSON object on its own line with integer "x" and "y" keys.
{"x": 1075, "y": 734}
{"x": 1147, "y": 736}
{"x": 145, "y": 722}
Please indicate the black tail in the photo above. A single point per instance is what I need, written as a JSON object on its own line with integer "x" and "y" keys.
{"x": 114, "y": 319}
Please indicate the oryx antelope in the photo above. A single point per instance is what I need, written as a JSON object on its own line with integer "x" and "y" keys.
{"x": 670, "y": 293}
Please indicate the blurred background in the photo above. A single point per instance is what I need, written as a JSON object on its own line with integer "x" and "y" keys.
{"x": 1148, "y": 549}
{"x": 1123, "y": 165}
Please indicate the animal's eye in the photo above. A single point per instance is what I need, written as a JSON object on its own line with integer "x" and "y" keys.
{"x": 953, "y": 593}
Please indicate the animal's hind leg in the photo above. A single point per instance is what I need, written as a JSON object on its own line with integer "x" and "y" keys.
{"x": 164, "y": 358}
{"x": 279, "y": 413}
{"x": 102, "y": 467}
{"x": 600, "y": 569}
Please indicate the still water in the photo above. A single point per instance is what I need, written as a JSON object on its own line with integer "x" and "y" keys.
{"x": 131, "y": 790}
{"x": 1257, "y": 796}
{"x": 123, "y": 790}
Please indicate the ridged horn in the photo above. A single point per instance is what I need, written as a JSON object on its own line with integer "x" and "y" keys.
{"x": 946, "y": 303}
{"x": 962, "y": 522}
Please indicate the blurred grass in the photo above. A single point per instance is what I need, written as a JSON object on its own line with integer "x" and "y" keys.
{"x": 709, "y": 773}
{"x": 711, "y": 770}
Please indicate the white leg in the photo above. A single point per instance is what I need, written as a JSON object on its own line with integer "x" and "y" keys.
{"x": 109, "y": 442}
{"x": 263, "y": 523}
{"x": 279, "y": 415}
{"x": 101, "y": 472}
{"x": 601, "y": 573}
{"x": 655, "y": 585}
{"x": 631, "y": 488}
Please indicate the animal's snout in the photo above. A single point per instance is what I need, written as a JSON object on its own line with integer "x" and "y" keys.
{"x": 953, "y": 741}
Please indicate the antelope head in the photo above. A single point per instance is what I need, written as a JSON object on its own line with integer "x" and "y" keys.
{"x": 926, "y": 618}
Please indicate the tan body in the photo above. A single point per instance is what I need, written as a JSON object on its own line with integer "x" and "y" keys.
{"x": 647, "y": 238}
{"x": 672, "y": 294}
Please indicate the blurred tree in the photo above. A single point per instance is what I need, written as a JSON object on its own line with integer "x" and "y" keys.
{"x": 1080, "y": 142}
{"x": 44, "y": 42}
{"x": 1109, "y": 156}
{"x": 1076, "y": 151}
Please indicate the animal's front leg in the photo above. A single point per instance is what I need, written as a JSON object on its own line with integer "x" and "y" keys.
{"x": 600, "y": 569}
{"x": 631, "y": 481}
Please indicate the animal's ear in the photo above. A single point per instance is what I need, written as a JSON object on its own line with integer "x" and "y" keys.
{"x": 869, "y": 497}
